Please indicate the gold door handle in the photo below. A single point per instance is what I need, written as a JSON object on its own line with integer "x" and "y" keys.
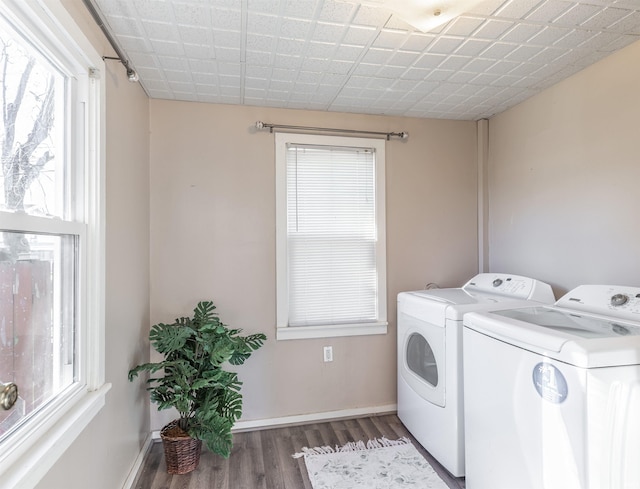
{"x": 8, "y": 395}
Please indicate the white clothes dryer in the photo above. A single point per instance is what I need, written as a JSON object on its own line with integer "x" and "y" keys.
{"x": 430, "y": 392}
{"x": 552, "y": 393}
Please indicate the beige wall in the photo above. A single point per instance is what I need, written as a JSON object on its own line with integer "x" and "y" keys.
{"x": 103, "y": 455}
{"x": 564, "y": 172}
{"x": 213, "y": 237}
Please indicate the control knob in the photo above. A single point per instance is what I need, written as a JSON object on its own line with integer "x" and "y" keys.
{"x": 619, "y": 299}
{"x": 497, "y": 282}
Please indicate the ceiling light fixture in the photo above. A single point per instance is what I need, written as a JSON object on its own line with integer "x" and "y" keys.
{"x": 424, "y": 15}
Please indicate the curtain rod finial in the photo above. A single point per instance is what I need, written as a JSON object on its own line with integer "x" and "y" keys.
{"x": 260, "y": 125}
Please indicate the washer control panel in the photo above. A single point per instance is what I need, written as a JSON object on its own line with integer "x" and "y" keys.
{"x": 514, "y": 286}
{"x": 612, "y": 300}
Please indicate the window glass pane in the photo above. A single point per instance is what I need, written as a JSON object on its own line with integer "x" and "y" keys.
{"x": 33, "y": 108}
{"x": 36, "y": 320}
{"x": 331, "y": 234}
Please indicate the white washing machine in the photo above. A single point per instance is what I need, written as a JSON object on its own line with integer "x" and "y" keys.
{"x": 430, "y": 356}
{"x": 552, "y": 394}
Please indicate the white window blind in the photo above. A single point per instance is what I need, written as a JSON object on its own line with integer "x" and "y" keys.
{"x": 334, "y": 256}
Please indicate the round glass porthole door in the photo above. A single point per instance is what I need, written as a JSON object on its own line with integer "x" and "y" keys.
{"x": 421, "y": 359}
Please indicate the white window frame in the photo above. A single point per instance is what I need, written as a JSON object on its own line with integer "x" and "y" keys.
{"x": 28, "y": 454}
{"x": 283, "y": 330}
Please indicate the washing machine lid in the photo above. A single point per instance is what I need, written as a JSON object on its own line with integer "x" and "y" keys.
{"x": 574, "y": 335}
{"x": 482, "y": 293}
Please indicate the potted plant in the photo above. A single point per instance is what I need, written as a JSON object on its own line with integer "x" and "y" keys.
{"x": 192, "y": 379}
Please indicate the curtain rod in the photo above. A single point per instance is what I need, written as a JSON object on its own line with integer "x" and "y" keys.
{"x": 388, "y": 135}
{"x": 132, "y": 75}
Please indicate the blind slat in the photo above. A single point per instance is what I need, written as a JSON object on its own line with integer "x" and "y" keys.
{"x": 331, "y": 235}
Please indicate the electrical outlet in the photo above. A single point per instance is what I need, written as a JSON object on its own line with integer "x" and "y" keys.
{"x": 328, "y": 353}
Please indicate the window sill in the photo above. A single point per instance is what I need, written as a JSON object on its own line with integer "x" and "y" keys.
{"x": 330, "y": 331}
{"x": 29, "y": 458}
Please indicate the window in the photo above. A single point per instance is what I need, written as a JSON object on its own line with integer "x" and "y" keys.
{"x": 51, "y": 239}
{"x": 331, "y": 278}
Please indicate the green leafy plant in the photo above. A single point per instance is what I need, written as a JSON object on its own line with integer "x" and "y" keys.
{"x": 193, "y": 380}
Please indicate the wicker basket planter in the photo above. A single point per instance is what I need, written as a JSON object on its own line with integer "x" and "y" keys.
{"x": 181, "y": 452}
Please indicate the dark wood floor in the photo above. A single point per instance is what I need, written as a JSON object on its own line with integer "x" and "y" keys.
{"x": 262, "y": 459}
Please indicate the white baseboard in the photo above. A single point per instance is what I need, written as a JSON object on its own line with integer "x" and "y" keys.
{"x": 137, "y": 464}
{"x": 312, "y": 418}
{"x": 304, "y": 418}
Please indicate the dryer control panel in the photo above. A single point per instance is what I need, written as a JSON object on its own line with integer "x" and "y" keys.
{"x": 514, "y": 286}
{"x": 616, "y": 301}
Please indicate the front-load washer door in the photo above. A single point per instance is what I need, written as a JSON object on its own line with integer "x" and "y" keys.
{"x": 423, "y": 358}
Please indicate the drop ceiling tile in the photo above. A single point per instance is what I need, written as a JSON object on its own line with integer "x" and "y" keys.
{"x": 392, "y": 72}
{"x": 258, "y": 58}
{"x": 154, "y": 10}
{"x": 312, "y": 64}
{"x": 227, "y": 54}
{"x": 549, "y": 36}
{"x": 485, "y": 79}
{"x": 260, "y": 42}
{"x": 493, "y": 29}
{"x": 390, "y": 39}
{"x": 308, "y": 77}
{"x": 525, "y": 69}
{"x": 191, "y": 14}
{"x": 131, "y": 43}
{"x": 418, "y": 42}
{"x": 439, "y": 75}
{"x": 126, "y": 26}
{"x": 503, "y": 67}
{"x": 172, "y": 63}
{"x": 301, "y": 29}
{"x": 463, "y": 26}
{"x": 403, "y": 58}
{"x": 619, "y": 43}
{"x": 328, "y": 32}
{"x": 429, "y": 61}
{"x": 578, "y": 15}
{"x": 521, "y": 33}
{"x": 194, "y": 35}
{"x": 517, "y": 9}
{"x": 320, "y": 50}
{"x": 549, "y": 11}
{"x": 262, "y": 24}
{"x": 462, "y": 76}
{"x": 414, "y": 73}
{"x": 197, "y": 51}
{"x": 479, "y": 65}
{"x": 377, "y": 56}
{"x": 629, "y": 25}
{"x": 234, "y": 69}
{"x": 226, "y": 19}
{"x": 359, "y": 35}
{"x": 524, "y": 53}
{"x": 499, "y": 50}
{"x": 575, "y": 38}
{"x": 445, "y": 45}
{"x": 204, "y": 78}
{"x": 283, "y": 61}
{"x": 336, "y": 11}
{"x": 292, "y": 47}
{"x": 348, "y": 53}
{"x": 341, "y": 67}
{"x": 606, "y": 18}
{"x": 455, "y": 62}
{"x": 369, "y": 16}
{"x": 473, "y": 47}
